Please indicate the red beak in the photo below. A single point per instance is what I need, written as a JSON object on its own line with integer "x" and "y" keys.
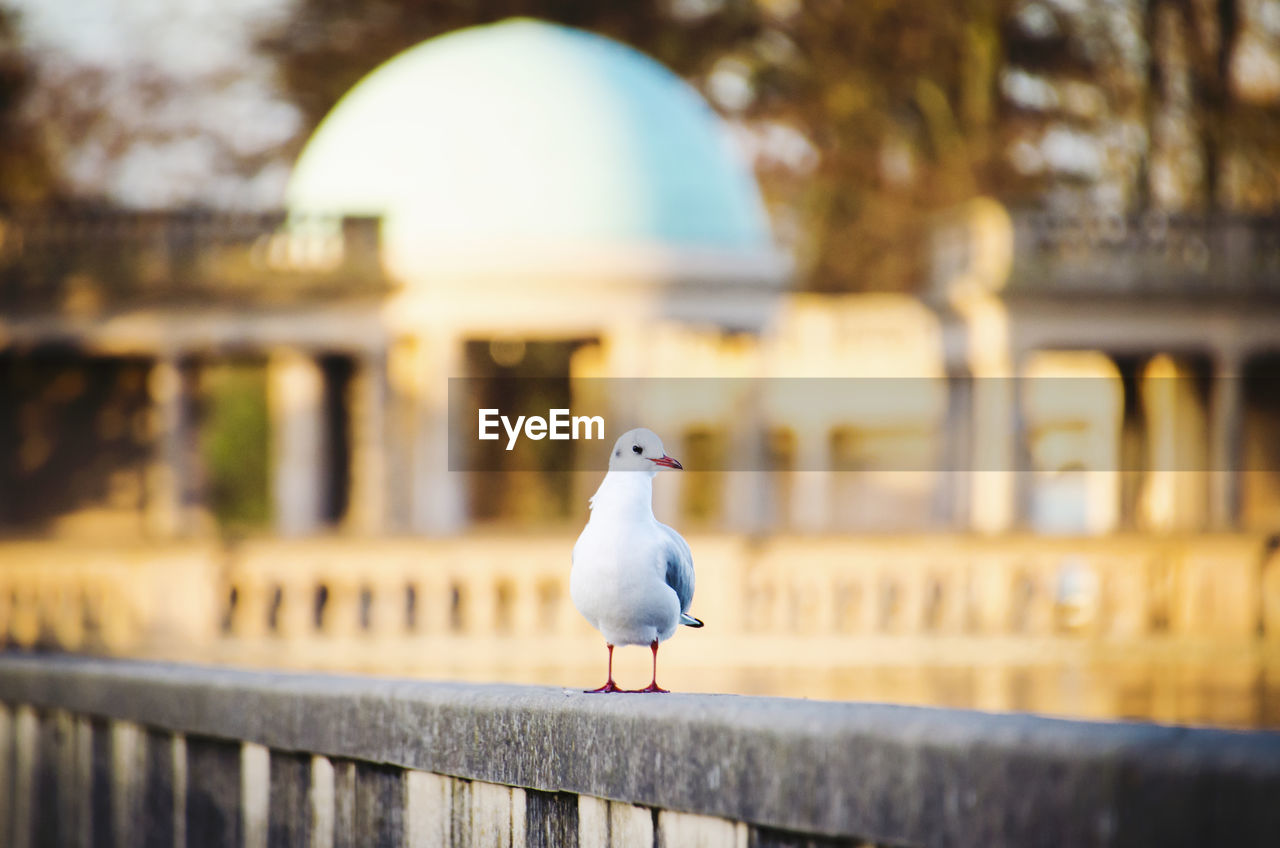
{"x": 667, "y": 462}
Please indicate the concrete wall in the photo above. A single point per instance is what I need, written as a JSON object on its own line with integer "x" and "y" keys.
{"x": 123, "y": 753}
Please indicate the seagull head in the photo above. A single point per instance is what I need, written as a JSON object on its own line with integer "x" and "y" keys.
{"x": 640, "y": 450}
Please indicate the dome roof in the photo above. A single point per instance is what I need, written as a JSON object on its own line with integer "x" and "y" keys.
{"x": 528, "y": 133}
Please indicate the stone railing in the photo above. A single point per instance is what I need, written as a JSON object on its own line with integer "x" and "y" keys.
{"x": 86, "y": 259}
{"x": 1158, "y": 627}
{"x": 71, "y": 595}
{"x": 1100, "y": 253}
{"x": 1174, "y": 254}
{"x": 1098, "y": 587}
{"x": 125, "y": 753}
{"x": 115, "y": 599}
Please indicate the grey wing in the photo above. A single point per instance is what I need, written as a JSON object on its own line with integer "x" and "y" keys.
{"x": 679, "y": 566}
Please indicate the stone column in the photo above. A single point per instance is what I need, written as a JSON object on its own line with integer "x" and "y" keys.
{"x": 439, "y": 495}
{"x": 402, "y": 393}
{"x": 370, "y": 396}
{"x": 1178, "y": 465}
{"x": 1023, "y": 467}
{"x": 1134, "y": 448}
{"x": 1226, "y": 439}
{"x": 992, "y": 496}
{"x": 952, "y": 498}
{"x": 743, "y": 493}
{"x": 295, "y": 398}
{"x": 811, "y": 479}
{"x": 170, "y": 486}
{"x": 993, "y": 492}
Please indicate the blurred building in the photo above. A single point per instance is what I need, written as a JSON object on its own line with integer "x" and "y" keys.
{"x": 543, "y": 205}
{"x": 553, "y": 204}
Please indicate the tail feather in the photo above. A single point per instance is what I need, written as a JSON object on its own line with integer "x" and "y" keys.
{"x": 690, "y": 621}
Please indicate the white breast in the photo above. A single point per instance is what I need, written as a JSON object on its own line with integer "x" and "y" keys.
{"x": 618, "y": 582}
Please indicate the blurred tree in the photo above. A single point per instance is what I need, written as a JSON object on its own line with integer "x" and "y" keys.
{"x": 864, "y": 118}
{"x": 1168, "y": 104}
{"x": 235, "y": 444}
{"x": 133, "y": 107}
{"x": 861, "y": 118}
{"x": 25, "y": 175}
{"x": 139, "y": 136}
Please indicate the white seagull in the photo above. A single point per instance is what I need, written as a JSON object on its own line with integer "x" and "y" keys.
{"x": 632, "y": 576}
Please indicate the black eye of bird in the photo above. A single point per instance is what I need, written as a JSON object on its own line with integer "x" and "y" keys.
{"x": 637, "y": 449}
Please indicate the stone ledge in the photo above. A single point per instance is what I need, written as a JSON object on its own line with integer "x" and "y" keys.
{"x": 890, "y": 774}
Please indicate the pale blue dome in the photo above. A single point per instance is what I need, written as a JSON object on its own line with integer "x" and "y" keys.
{"x": 528, "y": 132}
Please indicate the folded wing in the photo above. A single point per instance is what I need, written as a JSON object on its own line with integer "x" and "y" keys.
{"x": 679, "y": 560}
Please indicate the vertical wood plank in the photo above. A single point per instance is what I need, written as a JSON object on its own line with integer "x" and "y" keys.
{"x": 178, "y": 757}
{"x": 551, "y": 820}
{"x": 460, "y": 812}
{"x": 26, "y": 737}
{"x": 48, "y": 794}
{"x": 81, "y": 782}
{"x": 490, "y": 817}
{"x": 159, "y": 800}
{"x": 214, "y": 816}
{"x": 593, "y": 821}
{"x": 289, "y": 807}
{"x": 6, "y": 773}
{"x": 322, "y": 803}
{"x": 345, "y": 834}
{"x": 255, "y": 793}
{"x": 128, "y": 775}
{"x": 613, "y": 825}
{"x": 379, "y": 808}
{"x": 630, "y": 826}
{"x": 519, "y": 817}
{"x": 428, "y": 801}
{"x": 101, "y": 822}
{"x": 685, "y": 830}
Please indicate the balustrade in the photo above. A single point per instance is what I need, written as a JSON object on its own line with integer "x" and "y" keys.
{"x": 1136, "y": 614}
{"x": 1100, "y": 253}
{"x": 379, "y": 590}
{"x": 83, "y": 259}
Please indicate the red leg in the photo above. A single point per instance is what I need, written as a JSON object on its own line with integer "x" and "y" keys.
{"x": 653, "y": 686}
{"x": 609, "y": 685}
